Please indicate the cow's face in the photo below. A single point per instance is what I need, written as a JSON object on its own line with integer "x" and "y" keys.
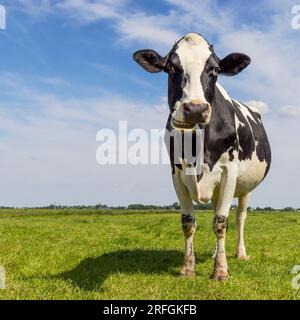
{"x": 193, "y": 69}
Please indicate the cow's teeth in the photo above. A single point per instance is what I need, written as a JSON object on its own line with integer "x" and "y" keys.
{"x": 182, "y": 125}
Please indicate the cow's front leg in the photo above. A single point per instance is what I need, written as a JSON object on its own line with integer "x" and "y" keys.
{"x": 188, "y": 224}
{"x": 220, "y": 226}
{"x": 220, "y": 221}
{"x": 189, "y": 227}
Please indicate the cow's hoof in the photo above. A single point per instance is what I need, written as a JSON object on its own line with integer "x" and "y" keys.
{"x": 185, "y": 272}
{"x": 243, "y": 257}
{"x": 219, "y": 276}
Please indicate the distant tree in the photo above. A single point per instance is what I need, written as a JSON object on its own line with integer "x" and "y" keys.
{"x": 202, "y": 206}
{"x": 268, "y": 209}
{"x": 175, "y": 206}
{"x": 288, "y": 209}
{"x": 136, "y": 206}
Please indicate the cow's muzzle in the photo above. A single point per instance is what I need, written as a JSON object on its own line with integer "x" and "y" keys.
{"x": 192, "y": 114}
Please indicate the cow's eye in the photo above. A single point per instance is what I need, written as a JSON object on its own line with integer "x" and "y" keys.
{"x": 170, "y": 68}
{"x": 214, "y": 72}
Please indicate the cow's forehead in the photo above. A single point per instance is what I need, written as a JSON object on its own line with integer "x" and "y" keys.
{"x": 193, "y": 48}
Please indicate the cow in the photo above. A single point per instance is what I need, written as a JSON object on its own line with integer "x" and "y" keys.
{"x": 237, "y": 154}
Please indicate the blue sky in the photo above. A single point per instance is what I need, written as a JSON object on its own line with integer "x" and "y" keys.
{"x": 66, "y": 71}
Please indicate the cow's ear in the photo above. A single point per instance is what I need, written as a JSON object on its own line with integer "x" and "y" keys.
{"x": 234, "y": 63}
{"x": 150, "y": 60}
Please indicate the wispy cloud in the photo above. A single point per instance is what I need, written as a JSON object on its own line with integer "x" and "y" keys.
{"x": 155, "y": 30}
{"x": 85, "y": 11}
{"x": 290, "y": 110}
{"x": 261, "y": 106}
{"x": 54, "y": 81}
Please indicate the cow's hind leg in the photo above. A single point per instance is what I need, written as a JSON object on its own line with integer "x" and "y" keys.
{"x": 241, "y": 214}
{"x": 188, "y": 225}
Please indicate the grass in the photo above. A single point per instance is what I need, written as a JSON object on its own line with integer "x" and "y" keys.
{"x": 73, "y": 254}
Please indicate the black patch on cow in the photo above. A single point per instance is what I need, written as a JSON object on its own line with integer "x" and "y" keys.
{"x": 220, "y": 223}
{"x": 245, "y": 136}
{"x": 230, "y": 153}
{"x": 187, "y": 219}
{"x": 170, "y": 147}
{"x": 263, "y": 150}
{"x": 209, "y": 77}
{"x": 220, "y": 133}
{"x": 199, "y": 177}
{"x": 175, "y": 90}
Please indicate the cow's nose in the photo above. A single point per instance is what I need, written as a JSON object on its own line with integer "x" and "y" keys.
{"x": 195, "y": 112}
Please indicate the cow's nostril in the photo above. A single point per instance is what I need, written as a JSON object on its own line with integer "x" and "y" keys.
{"x": 186, "y": 108}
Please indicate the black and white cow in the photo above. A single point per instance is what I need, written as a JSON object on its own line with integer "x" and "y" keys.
{"x": 237, "y": 154}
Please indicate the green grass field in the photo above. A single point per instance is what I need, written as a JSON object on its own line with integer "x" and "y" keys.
{"x": 117, "y": 255}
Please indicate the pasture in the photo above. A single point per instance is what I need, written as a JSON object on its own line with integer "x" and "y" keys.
{"x": 84, "y": 254}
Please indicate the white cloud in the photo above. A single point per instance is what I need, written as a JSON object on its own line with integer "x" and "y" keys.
{"x": 205, "y": 16}
{"x": 151, "y": 30}
{"x": 88, "y": 11}
{"x": 262, "y": 107}
{"x": 290, "y": 110}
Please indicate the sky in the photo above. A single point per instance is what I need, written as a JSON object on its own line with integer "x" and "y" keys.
{"x": 66, "y": 72}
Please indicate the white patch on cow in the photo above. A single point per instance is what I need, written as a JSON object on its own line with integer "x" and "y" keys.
{"x": 223, "y": 92}
{"x": 193, "y": 51}
{"x": 245, "y": 111}
{"x": 251, "y": 173}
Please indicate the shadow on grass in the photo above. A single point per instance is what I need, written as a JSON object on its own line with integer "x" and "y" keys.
{"x": 90, "y": 273}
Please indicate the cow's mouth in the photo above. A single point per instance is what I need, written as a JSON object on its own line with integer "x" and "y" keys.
{"x": 182, "y": 125}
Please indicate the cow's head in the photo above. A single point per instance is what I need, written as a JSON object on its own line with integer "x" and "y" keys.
{"x": 193, "y": 68}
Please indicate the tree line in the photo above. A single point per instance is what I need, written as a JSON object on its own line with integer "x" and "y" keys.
{"x": 138, "y": 206}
